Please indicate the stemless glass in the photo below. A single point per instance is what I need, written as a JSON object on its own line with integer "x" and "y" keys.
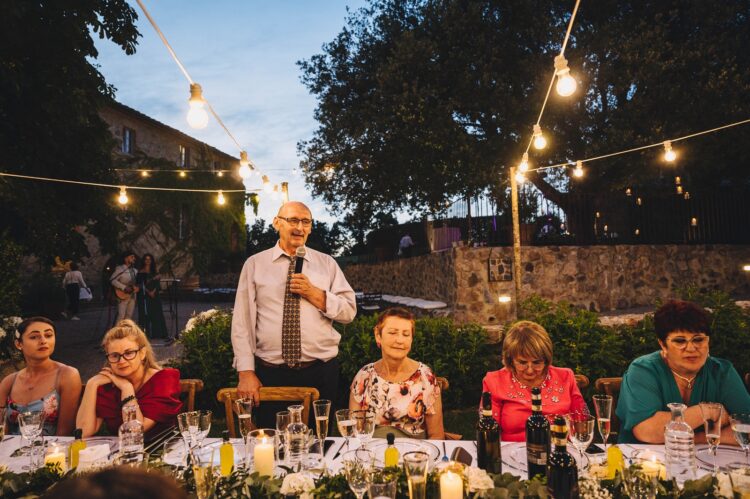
{"x": 322, "y": 410}
{"x": 415, "y": 466}
{"x": 346, "y": 424}
{"x": 712, "y": 413}
{"x": 741, "y": 429}
{"x": 364, "y": 425}
{"x": 382, "y": 485}
{"x": 603, "y": 408}
{"x": 31, "y": 424}
{"x": 580, "y": 431}
{"x": 244, "y": 410}
{"x": 203, "y": 471}
{"x": 283, "y": 418}
{"x": 357, "y": 466}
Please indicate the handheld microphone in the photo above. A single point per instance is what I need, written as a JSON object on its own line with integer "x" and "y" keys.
{"x": 300, "y": 253}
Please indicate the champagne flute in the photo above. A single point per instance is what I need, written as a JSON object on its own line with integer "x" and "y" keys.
{"x": 31, "y": 424}
{"x": 712, "y": 413}
{"x": 322, "y": 410}
{"x": 603, "y": 408}
{"x": 416, "y": 465}
{"x": 741, "y": 429}
{"x": 346, "y": 424}
{"x": 364, "y": 425}
{"x": 244, "y": 409}
{"x": 203, "y": 471}
{"x": 283, "y": 418}
{"x": 357, "y": 466}
{"x": 580, "y": 430}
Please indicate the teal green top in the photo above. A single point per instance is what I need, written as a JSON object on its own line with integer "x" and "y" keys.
{"x": 648, "y": 386}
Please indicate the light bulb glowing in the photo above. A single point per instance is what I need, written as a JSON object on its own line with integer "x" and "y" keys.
{"x": 694, "y": 222}
{"x": 220, "y": 199}
{"x": 637, "y": 232}
{"x": 504, "y": 299}
{"x": 523, "y": 167}
{"x": 197, "y": 116}
{"x": 679, "y": 189}
{"x": 267, "y": 184}
{"x": 628, "y": 192}
{"x": 677, "y": 181}
{"x": 144, "y": 173}
{"x": 566, "y": 84}
{"x": 123, "y": 198}
{"x": 669, "y": 154}
{"x": 520, "y": 178}
{"x": 578, "y": 171}
{"x": 245, "y": 170}
{"x": 219, "y": 174}
{"x": 539, "y": 141}
{"x": 183, "y": 174}
{"x": 746, "y": 268}
{"x": 687, "y": 195}
{"x": 639, "y": 201}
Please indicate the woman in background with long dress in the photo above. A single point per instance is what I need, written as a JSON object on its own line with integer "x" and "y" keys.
{"x": 150, "y": 313}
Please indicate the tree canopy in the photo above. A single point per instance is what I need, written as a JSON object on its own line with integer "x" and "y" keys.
{"x": 421, "y": 101}
{"x": 50, "y": 94}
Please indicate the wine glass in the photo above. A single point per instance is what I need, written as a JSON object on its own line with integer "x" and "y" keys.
{"x": 603, "y": 408}
{"x": 204, "y": 426}
{"x": 188, "y": 424}
{"x": 741, "y": 429}
{"x": 322, "y": 410}
{"x": 357, "y": 466}
{"x": 244, "y": 409}
{"x": 712, "y": 413}
{"x": 364, "y": 425}
{"x": 345, "y": 424}
{"x": 283, "y": 418}
{"x": 31, "y": 424}
{"x": 580, "y": 430}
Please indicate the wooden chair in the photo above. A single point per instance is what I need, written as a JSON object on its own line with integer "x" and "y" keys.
{"x": 582, "y": 382}
{"x": 444, "y": 385}
{"x": 301, "y": 394}
{"x": 188, "y": 389}
{"x": 747, "y": 381}
{"x": 611, "y": 386}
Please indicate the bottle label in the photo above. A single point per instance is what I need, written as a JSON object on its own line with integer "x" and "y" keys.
{"x": 536, "y": 454}
{"x": 487, "y": 413}
{"x": 536, "y": 405}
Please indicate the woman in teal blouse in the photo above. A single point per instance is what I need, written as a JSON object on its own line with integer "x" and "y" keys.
{"x": 681, "y": 371}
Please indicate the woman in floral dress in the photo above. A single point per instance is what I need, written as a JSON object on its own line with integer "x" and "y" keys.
{"x": 44, "y": 384}
{"x": 402, "y": 393}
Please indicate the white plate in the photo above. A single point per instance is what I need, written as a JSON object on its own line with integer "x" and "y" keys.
{"x": 404, "y": 445}
{"x": 724, "y": 455}
{"x": 175, "y": 451}
{"x": 514, "y": 456}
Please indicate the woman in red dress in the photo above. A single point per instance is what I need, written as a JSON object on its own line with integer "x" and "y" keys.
{"x": 131, "y": 375}
{"x": 527, "y": 357}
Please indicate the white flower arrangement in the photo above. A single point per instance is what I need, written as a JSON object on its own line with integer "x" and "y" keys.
{"x": 590, "y": 488}
{"x": 477, "y": 479}
{"x": 200, "y": 317}
{"x": 298, "y": 484}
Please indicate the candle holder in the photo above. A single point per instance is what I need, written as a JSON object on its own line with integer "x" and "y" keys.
{"x": 451, "y": 480}
{"x": 54, "y": 457}
{"x": 263, "y": 450}
{"x": 649, "y": 464}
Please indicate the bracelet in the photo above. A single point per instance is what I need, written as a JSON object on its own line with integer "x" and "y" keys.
{"x": 126, "y": 400}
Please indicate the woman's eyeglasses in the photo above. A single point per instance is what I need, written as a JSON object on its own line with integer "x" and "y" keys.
{"x": 697, "y": 341}
{"x": 115, "y": 357}
{"x": 522, "y": 365}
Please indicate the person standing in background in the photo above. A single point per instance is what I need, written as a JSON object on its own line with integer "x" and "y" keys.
{"x": 124, "y": 280}
{"x": 404, "y": 246}
{"x": 73, "y": 282}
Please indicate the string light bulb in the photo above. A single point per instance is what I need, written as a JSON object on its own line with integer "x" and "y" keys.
{"x": 220, "y": 173}
{"x": 669, "y": 154}
{"x": 197, "y": 117}
{"x": 267, "y": 184}
{"x": 144, "y": 173}
{"x": 694, "y": 222}
{"x": 539, "y": 141}
{"x": 183, "y": 174}
{"x": 123, "y": 197}
{"x": 677, "y": 181}
{"x": 628, "y": 192}
{"x": 687, "y": 195}
{"x": 679, "y": 190}
{"x": 220, "y": 199}
{"x": 504, "y": 299}
{"x": 520, "y": 177}
{"x": 566, "y": 84}
{"x": 578, "y": 171}
{"x": 523, "y": 167}
{"x": 245, "y": 170}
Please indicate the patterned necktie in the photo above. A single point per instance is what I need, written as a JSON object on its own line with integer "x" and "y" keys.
{"x": 291, "y": 340}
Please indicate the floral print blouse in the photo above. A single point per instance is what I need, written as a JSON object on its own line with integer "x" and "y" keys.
{"x": 402, "y": 405}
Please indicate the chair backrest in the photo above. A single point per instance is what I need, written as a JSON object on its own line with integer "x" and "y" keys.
{"x": 582, "y": 382}
{"x": 302, "y": 394}
{"x": 188, "y": 389}
{"x": 610, "y": 386}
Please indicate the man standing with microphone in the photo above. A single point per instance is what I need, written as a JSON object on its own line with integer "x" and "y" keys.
{"x": 287, "y": 299}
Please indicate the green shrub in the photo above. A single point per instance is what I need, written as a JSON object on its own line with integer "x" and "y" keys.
{"x": 44, "y": 295}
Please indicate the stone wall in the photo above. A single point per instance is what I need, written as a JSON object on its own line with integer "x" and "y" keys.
{"x": 600, "y": 278}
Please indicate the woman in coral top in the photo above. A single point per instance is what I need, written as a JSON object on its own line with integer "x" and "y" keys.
{"x": 527, "y": 357}
{"x": 130, "y": 376}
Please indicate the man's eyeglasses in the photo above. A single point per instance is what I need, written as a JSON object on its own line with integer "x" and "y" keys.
{"x": 306, "y": 222}
{"x": 115, "y": 357}
{"x": 697, "y": 341}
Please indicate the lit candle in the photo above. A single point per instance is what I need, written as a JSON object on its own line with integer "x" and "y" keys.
{"x": 55, "y": 457}
{"x": 451, "y": 485}
{"x": 263, "y": 455}
{"x": 652, "y": 467}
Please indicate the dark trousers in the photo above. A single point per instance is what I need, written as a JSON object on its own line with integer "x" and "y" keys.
{"x": 322, "y": 375}
{"x": 73, "y": 290}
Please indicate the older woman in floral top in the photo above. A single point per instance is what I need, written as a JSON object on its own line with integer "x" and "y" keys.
{"x": 402, "y": 393}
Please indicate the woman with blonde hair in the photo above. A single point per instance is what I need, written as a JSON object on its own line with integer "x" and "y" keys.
{"x": 130, "y": 376}
{"x": 527, "y": 361}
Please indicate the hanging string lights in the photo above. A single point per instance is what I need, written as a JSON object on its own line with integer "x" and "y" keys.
{"x": 197, "y": 117}
{"x": 523, "y": 167}
{"x": 220, "y": 198}
{"x": 578, "y": 170}
{"x": 245, "y": 171}
{"x": 669, "y": 154}
{"x": 540, "y": 142}
{"x": 566, "y": 84}
{"x": 123, "y": 197}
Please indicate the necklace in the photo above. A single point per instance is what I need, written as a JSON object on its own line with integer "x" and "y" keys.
{"x": 689, "y": 381}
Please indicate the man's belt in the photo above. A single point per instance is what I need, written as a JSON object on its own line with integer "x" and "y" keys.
{"x": 299, "y": 365}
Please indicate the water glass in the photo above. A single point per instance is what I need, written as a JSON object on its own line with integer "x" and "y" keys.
{"x": 382, "y": 485}
{"x": 603, "y": 408}
{"x": 31, "y": 425}
{"x": 364, "y": 425}
{"x": 322, "y": 411}
{"x": 357, "y": 467}
{"x": 203, "y": 471}
{"x": 415, "y": 466}
{"x": 314, "y": 463}
{"x": 580, "y": 431}
{"x": 741, "y": 429}
{"x": 712, "y": 413}
{"x": 283, "y": 418}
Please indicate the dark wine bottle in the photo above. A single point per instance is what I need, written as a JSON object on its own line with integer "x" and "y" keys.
{"x": 488, "y": 439}
{"x": 562, "y": 474}
{"x": 537, "y": 437}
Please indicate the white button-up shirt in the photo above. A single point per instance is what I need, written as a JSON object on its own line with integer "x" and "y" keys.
{"x": 259, "y": 308}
